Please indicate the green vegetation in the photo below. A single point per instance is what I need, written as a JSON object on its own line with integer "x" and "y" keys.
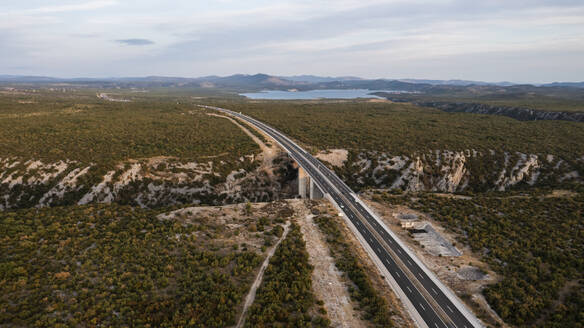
{"x": 55, "y": 127}
{"x": 375, "y": 307}
{"x": 109, "y": 265}
{"x": 252, "y": 130}
{"x": 535, "y": 242}
{"x": 569, "y": 313}
{"x": 549, "y": 99}
{"x": 285, "y": 297}
{"x": 403, "y": 129}
{"x": 83, "y": 130}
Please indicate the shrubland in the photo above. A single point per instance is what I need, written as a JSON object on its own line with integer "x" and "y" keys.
{"x": 376, "y": 309}
{"x": 534, "y": 241}
{"x": 285, "y": 298}
{"x": 398, "y": 128}
{"x": 451, "y": 152}
{"x": 111, "y": 265}
{"x": 53, "y": 128}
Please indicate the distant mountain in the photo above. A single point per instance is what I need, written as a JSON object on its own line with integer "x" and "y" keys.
{"x": 565, "y": 84}
{"x": 237, "y": 82}
{"x": 319, "y": 79}
{"x": 379, "y": 84}
{"x": 27, "y": 79}
{"x": 256, "y": 82}
{"x": 163, "y": 79}
{"x": 456, "y": 82}
{"x": 245, "y": 82}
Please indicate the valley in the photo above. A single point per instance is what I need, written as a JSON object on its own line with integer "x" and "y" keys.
{"x": 291, "y": 164}
{"x": 83, "y": 178}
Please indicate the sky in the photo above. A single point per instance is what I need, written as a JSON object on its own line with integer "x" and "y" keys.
{"x": 531, "y": 41}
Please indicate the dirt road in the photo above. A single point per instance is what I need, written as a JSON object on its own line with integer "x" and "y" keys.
{"x": 327, "y": 281}
{"x": 258, "y": 280}
{"x": 268, "y": 152}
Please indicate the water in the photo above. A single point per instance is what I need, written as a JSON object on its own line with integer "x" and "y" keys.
{"x": 314, "y": 94}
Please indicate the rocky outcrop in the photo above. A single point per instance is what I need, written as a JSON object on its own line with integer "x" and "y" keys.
{"x": 518, "y": 113}
{"x": 147, "y": 183}
{"x": 456, "y": 171}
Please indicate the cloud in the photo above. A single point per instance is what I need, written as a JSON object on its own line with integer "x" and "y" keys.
{"x": 91, "y": 5}
{"x": 135, "y": 42}
{"x": 409, "y": 38}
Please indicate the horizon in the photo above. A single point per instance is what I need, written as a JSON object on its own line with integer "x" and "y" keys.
{"x": 105, "y": 78}
{"x": 520, "y": 41}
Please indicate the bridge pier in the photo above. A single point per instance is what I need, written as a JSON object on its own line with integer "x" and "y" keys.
{"x": 303, "y": 181}
{"x": 306, "y": 186}
{"x": 315, "y": 192}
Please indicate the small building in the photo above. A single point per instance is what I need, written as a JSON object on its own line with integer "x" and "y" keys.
{"x": 407, "y": 220}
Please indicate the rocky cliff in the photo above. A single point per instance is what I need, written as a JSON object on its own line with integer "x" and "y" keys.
{"x": 148, "y": 183}
{"x": 456, "y": 171}
{"x": 518, "y": 113}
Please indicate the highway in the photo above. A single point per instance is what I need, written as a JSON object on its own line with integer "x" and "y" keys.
{"x": 434, "y": 304}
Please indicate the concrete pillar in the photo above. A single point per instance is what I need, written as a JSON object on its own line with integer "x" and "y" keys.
{"x": 315, "y": 192}
{"x": 303, "y": 180}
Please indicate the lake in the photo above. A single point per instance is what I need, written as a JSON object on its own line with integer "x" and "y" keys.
{"x": 314, "y": 94}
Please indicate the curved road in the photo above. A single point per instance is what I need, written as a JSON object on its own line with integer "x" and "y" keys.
{"x": 436, "y": 306}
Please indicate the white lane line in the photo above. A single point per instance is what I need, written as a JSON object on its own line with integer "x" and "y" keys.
{"x": 378, "y": 250}
{"x": 419, "y": 274}
{"x": 449, "y": 309}
{"x": 435, "y": 324}
{"x": 397, "y": 273}
{"x": 423, "y": 308}
{"x": 410, "y": 263}
{"x": 399, "y": 251}
{"x": 435, "y": 292}
{"x": 408, "y": 287}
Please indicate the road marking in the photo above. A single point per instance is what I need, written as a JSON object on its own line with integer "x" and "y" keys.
{"x": 322, "y": 174}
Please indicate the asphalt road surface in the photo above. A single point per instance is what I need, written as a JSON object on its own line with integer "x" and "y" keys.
{"x": 429, "y": 298}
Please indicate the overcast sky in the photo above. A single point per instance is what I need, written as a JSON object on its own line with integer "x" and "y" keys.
{"x": 489, "y": 40}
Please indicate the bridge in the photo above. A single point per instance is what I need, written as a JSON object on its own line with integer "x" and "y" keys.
{"x": 429, "y": 302}
{"x": 306, "y": 183}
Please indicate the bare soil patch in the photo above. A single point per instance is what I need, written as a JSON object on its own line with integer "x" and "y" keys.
{"x": 377, "y": 100}
{"x": 561, "y": 193}
{"x": 269, "y": 152}
{"x": 328, "y": 282}
{"x": 336, "y": 157}
{"x": 401, "y": 318}
{"x": 459, "y": 273}
{"x": 234, "y": 224}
